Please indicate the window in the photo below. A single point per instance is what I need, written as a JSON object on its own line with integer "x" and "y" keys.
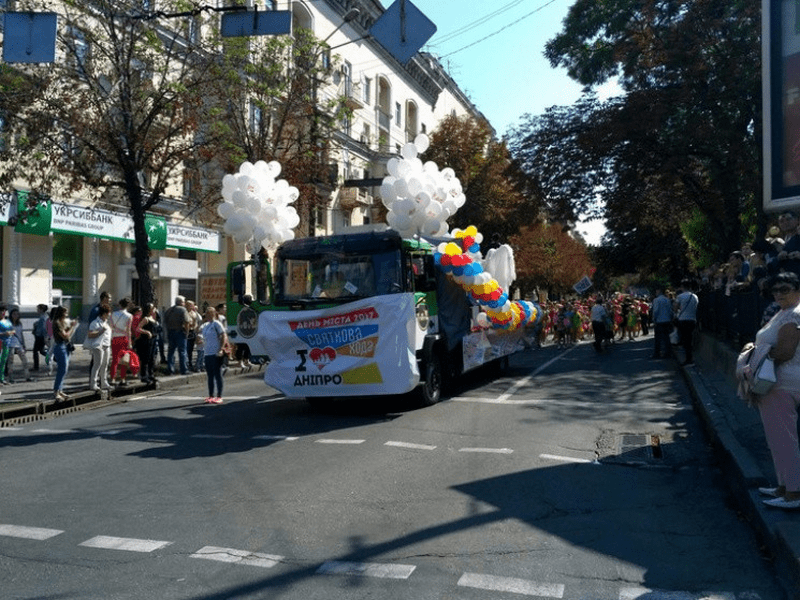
{"x": 79, "y": 50}
{"x": 367, "y": 91}
{"x": 256, "y": 118}
{"x": 68, "y": 271}
{"x": 346, "y": 124}
{"x": 398, "y": 113}
{"x": 365, "y": 135}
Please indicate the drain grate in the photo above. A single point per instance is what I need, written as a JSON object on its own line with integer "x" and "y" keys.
{"x": 633, "y": 447}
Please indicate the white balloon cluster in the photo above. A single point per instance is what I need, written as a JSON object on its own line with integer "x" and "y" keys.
{"x": 420, "y": 198}
{"x": 256, "y": 206}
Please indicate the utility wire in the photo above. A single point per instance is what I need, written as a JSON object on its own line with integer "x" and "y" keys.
{"x": 519, "y": 20}
{"x": 476, "y": 23}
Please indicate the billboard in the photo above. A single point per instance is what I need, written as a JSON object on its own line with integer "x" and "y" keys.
{"x": 781, "y": 95}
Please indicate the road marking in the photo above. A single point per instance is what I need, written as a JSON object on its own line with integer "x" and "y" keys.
{"x": 494, "y": 401}
{"x": 488, "y": 450}
{"x": 366, "y": 569}
{"x": 526, "y": 380}
{"x": 58, "y": 431}
{"x": 339, "y": 441}
{"x": 28, "y": 533}
{"x": 568, "y": 459}
{"x": 285, "y": 438}
{"x": 130, "y": 544}
{"x": 2, "y": 429}
{"x": 410, "y": 446}
{"x": 512, "y": 585}
{"x": 230, "y": 555}
{"x": 210, "y": 436}
{"x": 154, "y": 434}
{"x": 634, "y": 593}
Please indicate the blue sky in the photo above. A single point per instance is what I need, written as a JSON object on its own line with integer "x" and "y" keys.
{"x": 494, "y": 51}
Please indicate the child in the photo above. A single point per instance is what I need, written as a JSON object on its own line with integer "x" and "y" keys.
{"x": 16, "y": 347}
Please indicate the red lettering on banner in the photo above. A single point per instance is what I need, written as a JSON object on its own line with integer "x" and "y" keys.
{"x": 356, "y": 316}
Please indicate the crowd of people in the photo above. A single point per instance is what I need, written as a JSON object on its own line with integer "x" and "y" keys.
{"x": 125, "y": 340}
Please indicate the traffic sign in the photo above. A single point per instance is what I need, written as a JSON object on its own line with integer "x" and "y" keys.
{"x": 403, "y": 29}
{"x": 29, "y": 37}
{"x": 256, "y": 22}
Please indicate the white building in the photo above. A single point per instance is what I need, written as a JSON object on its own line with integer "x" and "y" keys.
{"x": 83, "y": 250}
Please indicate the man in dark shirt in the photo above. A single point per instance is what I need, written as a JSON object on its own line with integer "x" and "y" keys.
{"x": 177, "y": 322}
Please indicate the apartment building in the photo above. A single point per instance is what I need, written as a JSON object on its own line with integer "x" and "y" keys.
{"x": 71, "y": 250}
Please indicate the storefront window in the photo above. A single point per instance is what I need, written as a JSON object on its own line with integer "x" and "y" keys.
{"x": 68, "y": 271}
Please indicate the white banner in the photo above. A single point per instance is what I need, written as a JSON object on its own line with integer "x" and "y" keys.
{"x": 93, "y": 222}
{"x": 356, "y": 349}
{"x": 583, "y": 285}
{"x": 192, "y": 238}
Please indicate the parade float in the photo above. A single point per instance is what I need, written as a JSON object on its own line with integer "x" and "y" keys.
{"x": 399, "y": 307}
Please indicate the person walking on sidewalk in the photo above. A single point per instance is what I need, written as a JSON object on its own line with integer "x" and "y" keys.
{"x": 215, "y": 338}
{"x": 662, "y": 322}
{"x": 62, "y": 334}
{"x": 16, "y": 347}
{"x": 778, "y": 407}
{"x": 98, "y": 342}
{"x": 39, "y": 335}
{"x": 686, "y": 306}
{"x": 120, "y": 337}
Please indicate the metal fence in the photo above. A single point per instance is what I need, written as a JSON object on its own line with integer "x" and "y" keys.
{"x": 733, "y": 318}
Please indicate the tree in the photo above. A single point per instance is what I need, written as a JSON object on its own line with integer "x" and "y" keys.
{"x": 278, "y": 102}
{"x": 499, "y": 195}
{"x": 116, "y": 117}
{"x": 547, "y": 257}
{"x": 684, "y": 137}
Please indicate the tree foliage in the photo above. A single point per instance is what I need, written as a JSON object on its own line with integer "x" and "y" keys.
{"x": 683, "y": 138}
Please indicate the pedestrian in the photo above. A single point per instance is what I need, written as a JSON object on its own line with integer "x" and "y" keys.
{"x": 146, "y": 343}
{"x": 16, "y": 347}
{"x": 599, "y": 316}
{"x": 215, "y": 339}
{"x": 160, "y": 334}
{"x": 778, "y": 407}
{"x": 662, "y": 323}
{"x": 221, "y": 312}
{"x": 191, "y": 335}
{"x": 6, "y": 331}
{"x": 177, "y": 322}
{"x": 105, "y": 299}
{"x": 49, "y": 341}
{"x": 686, "y": 307}
{"x": 63, "y": 331}
{"x": 98, "y": 342}
{"x": 39, "y": 335}
{"x": 121, "y": 341}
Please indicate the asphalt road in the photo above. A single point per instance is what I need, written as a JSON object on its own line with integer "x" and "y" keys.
{"x": 569, "y": 476}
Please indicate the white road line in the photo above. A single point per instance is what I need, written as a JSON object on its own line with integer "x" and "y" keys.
{"x": 488, "y": 450}
{"x": 285, "y": 438}
{"x": 230, "y": 555}
{"x": 58, "y": 431}
{"x": 568, "y": 459}
{"x": 633, "y": 593}
{"x": 210, "y": 436}
{"x": 130, "y": 544}
{"x": 512, "y": 585}
{"x": 410, "y": 445}
{"x": 4, "y": 429}
{"x": 526, "y": 380}
{"x": 339, "y": 441}
{"x": 28, "y": 533}
{"x": 386, "y": 571}
{"x": 495, "y": 401}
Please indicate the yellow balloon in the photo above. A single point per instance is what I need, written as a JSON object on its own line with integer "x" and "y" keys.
{"x": 452, "y": 249}
{"x": 471, "y": 231}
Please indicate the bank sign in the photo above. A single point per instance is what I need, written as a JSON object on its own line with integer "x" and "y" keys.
{"x": 94, "y": 222}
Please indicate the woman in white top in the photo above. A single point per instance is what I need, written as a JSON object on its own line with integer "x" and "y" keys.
{"x": 778, "y": 407}
{"x": 98, "y": 341}
{"x": 214, "y": 338}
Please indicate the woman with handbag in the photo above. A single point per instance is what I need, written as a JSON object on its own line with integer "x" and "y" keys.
{"x": 215, "y": 338}
{"x": 62, "y": 336}
{"x": 778, "y": 407}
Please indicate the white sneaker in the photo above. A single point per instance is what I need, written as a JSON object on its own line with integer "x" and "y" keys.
{"x": 772, "y": 492}
{"x": 783, "y": 503}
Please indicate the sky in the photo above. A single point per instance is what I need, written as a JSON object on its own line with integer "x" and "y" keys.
{"x": 495, "y": 53}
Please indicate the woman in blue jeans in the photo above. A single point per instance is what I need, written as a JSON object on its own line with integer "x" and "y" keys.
{"x": 62, "y": 334}
{"x": 215, "y": 339}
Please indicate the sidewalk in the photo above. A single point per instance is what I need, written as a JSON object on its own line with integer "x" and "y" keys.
{"x": 26, "y": 401}
{"x": 738, "y": 435}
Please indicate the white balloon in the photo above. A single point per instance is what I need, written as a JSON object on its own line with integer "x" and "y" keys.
{"x": 274, "y": 168}
{"x": 402, "y": 222}
{"x": 430, "y": 227}
{"x": 403, "y": 169}
{"x": 448, "y": 173}
{"x": 409, "y": 151}
{"x": 292, "y": 194}
{"x": 246, "y": 168}
{"x": 423, "y": 199}
{"x": 239, "y": 198}
{"x": 225, "y": 209}
{"x": 422, "y": 142}
{"x": 434, "y": 211}
{"x": 252, "y": 205}
{"x": 293, "y": 220}
{"x": 401, "y": 188}
{"x": 403, "y": 206}
{"x": 414, "y": 186}
{"x": 391, "y": 166}
{"x": 443, "y": 230}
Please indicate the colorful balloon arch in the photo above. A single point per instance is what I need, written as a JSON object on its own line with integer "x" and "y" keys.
{"x": 459, "y": 260}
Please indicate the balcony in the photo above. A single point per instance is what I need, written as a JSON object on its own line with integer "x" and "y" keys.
{"x": 352, "y": 197}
